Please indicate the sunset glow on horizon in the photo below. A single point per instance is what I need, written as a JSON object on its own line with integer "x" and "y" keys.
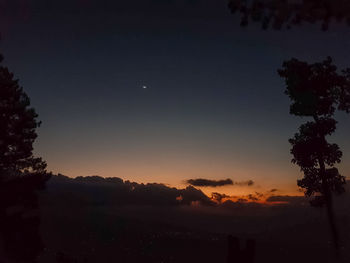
{"x": 214, "y": 106}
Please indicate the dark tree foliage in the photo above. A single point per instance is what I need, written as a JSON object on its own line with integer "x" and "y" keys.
{"x": 21, "y": 174}
{"x": 287, "y": 13}
{"x": 317, "y": 91}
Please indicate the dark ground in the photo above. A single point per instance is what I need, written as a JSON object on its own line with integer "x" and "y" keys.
{"x": 163, "y": 234}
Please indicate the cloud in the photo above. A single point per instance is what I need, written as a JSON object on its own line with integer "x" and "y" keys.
{"x": 273, "y": 190}
{"x": 253, "y": 197}
{"x": 206, "y": 182}
{"x": 215, "y": 183}
{"x": 96, "y": 190}
{"x": 259, "y": 195}
{"x": 244, "y": 183}
{"x": 218, "y": 197}
{"x": 292, "y": 200}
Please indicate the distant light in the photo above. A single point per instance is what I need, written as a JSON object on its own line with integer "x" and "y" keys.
{"x": 144, "y": 87}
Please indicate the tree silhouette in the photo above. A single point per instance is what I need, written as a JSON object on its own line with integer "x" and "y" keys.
{"x": 288, "y": 13}
{"x": 21, "y": 174}
{"x": 317, "y": 91}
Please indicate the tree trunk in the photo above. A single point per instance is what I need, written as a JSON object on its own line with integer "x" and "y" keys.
{"x": 328, "y": 196}
{"x": 329, "y": 205}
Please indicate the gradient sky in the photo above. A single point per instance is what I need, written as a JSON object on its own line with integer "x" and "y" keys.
{"x": 214, "y": 107}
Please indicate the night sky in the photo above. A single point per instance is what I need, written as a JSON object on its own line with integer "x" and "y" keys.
{"x": 214, "y": 105}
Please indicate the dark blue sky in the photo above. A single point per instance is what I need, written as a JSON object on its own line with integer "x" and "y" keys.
{"x": 214, "y": 106}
